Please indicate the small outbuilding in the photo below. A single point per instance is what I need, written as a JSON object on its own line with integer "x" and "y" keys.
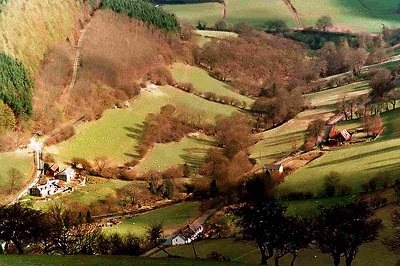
{"x": 66, "y": 175}
{"x": 53, "y": 170}
{"x": 273, "y": 167}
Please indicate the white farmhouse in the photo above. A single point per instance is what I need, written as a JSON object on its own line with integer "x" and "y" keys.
{"x": 66, "y": 175}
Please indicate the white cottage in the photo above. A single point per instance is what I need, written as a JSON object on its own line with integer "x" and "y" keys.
{"x": 66, "y": 175}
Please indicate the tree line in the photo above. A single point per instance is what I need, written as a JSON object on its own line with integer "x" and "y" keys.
{"x": 337, "y": 231}
{"x": 144, "y": 11}
{"x": 65, "y": 231}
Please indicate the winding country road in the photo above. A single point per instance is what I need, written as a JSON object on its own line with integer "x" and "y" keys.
{"x": 37, "y": 153}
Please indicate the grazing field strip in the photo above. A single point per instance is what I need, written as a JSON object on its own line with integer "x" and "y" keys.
{"x": 203, "y": 82}
{"x": 173, "y": 218}
{"x": 117, "y": 134}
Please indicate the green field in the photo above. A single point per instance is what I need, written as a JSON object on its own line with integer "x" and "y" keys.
{"x": 96, "y": 190}
{"x": 354, "y": 15}
{"x": 351, "y": 14}
{"x": 205, "y": 36}
{"x": 22, "y": 162}
{"x": 73, "y": 260}
{"x": 190, "y": 151}
{"x": 173, "y": 217}
{"x": 202, "y": 81}
{"x": 253, "y": 12}
{"x": 277, "y": 143}
{"x": 356, "y": 163}
{"x": 117, "y": 133}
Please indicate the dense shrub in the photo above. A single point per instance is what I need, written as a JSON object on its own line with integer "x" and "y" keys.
{"x": 15, "y": 86}
{"x": 62, "y": 135}
{"x": 144, "y": 11}
{"x": 7, "y": 118}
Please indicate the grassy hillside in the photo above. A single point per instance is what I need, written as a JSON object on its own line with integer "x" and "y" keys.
{"x": 356, "y": 163}
{"x": 253, "y": 12}
{"x": 202, "y": 81}
{"x": 117, "y": 133}
{"x": 357, "y": 16}
{"x": 95, "y": 191}
{"x": 173, "y": 217}
{"x": 22, "y": 162}
{"x": 190, "y": 150}
{"x": 30, "y": 28}
{"x": 278, "y": 142}
{"x": 205, "y": 36}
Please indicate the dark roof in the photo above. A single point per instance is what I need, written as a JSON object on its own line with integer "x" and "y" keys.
{"x": 272, "y": 166}
{"x": 195, "y": 226}
{"x": 55, "y": 167}
{"x": 345, "y": 134}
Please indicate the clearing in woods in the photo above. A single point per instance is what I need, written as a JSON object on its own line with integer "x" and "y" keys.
{"x": 173, "y": 218}
{"x": 203, "y": 82}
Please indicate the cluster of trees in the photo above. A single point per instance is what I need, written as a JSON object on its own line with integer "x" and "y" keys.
{"x": 256, "y": 60}
{"x": 211, "y": 96}
{"x": 228, "y": 164}
{"x": 15, "y": 86}
{"x": 167, "y": 126}
{"x": 338, "y": 231}
{"x": 7, "y": 118}
{"x": 144, "y": 11}
{"x": 277, "y": 105}
{"x": 64, "y": 231}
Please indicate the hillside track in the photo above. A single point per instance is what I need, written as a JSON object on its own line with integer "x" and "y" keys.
{"x": 293, "y": 10}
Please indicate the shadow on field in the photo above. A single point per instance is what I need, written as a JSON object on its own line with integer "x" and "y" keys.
{"x": 359, "y": 156}
{"x": 135, "y": 132}
{"x": 194, "y": 156}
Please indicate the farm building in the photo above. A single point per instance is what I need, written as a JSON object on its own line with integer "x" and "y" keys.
{"x": 273, "y": 167}
{"x": 339, "y": 136}
{"x": 66, "y": 175}
{"x": 51, "y": 187}
{"x": 53, "y": 170}
{"x": 188, "y": 235}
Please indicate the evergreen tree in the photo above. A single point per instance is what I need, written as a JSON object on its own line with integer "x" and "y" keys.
{"x": 144, "y": 11}
{"x": 15, "y": 86}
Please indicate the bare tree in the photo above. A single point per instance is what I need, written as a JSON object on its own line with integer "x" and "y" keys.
{"x": 15, "y": 177}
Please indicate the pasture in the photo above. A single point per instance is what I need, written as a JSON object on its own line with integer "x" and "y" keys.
{"x": 356, "y": 16}
{"x": 190, "y": 150}
{"x": 205, "y": 36}
{"x": 173, "y": 218}
{"x": 253, "y": 12}
{"x": 95, "y": 191}
{"x": 21, "y": 161}
{"x": 356, "y": 164}
{"x": 117, "y": 133}
{"x": 278, "y": 143}
{"x": 203, "y": 82}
